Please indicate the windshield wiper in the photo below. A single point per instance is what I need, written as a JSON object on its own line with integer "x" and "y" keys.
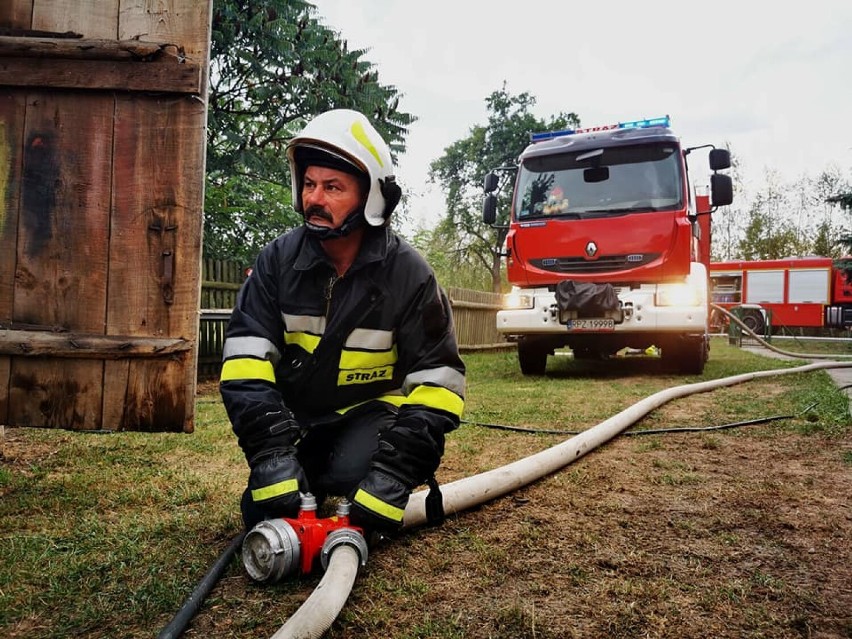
{"x": 614, "y": 211}
{"x": 567, "y": 216}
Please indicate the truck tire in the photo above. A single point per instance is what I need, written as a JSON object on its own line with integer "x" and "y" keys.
{"x": 532, "y": 358}
{"x": 687, "y": 357}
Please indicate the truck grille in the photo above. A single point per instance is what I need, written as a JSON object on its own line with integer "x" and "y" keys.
{"x": 600, "y": 265}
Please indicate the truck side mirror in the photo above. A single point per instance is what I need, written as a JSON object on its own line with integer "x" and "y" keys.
{"x": 489, "y": 209}
{"x": 719, "y": 159}
{"x": 491, "y": 182}
{"x": 721, "y": 189}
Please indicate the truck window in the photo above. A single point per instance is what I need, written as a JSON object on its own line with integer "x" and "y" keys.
{"x": 641, "y": 179}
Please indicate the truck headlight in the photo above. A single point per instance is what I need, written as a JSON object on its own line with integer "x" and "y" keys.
{"x": 515, "y": 300}
{"x": 678, "y": 295}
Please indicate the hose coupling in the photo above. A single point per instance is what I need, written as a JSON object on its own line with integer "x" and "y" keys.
{"x": 344, "y": 537}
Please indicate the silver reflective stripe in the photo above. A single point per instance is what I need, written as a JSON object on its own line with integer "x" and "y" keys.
{"x": 314, "y": 324}
{"x": 371, "y": 339}
{"x": 445, "y": 376}
{"x": 257, "y": 347}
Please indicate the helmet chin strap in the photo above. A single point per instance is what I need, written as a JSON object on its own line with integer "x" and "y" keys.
{"x": 353, "y": 221}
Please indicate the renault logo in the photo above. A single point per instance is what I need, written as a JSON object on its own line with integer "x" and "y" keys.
{"x": 591, "y": 249}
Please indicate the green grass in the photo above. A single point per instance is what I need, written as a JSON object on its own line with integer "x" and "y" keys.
{"x": 105, "y": 535}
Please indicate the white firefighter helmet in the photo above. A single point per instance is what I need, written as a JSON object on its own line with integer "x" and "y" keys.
{"x": 347, "y": 136}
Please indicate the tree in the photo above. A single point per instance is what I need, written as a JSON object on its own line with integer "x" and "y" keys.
{"x": 726, "y": 223}
{"x": 452, "y": 265}
{"x": 845, "y": 239}
{"x": 766, "y": 236}
{"x": 826, "y": 240}
{"x": 462, "y": 168}
{"x": 273, "y": 66}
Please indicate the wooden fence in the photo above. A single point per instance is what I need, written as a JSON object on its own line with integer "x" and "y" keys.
{"x": 474, "y": 314}
{"x": 220, "y": 282}
{"x": 475, "y": 317}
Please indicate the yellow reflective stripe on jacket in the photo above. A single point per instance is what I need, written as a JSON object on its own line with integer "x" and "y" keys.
{"x": 436, "y": 397}
{"x": 247, "y": 368}
{"x": 366, "y": 359}
{"x": 429, "y": 396}
{"x": 378, "y": 506}
{"x": 305, "y": 340}
{"x": 275, "y": 490}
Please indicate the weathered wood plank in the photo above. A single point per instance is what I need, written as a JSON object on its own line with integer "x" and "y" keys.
{"x": 91, "y": 18}
{"x": 166, "y": 76}
{"x": 84, "y": 49}
{"x": 158, "y": 186}
{"x": 182, "y": 22}
{"x": 64, "y": 226}
{"x": 66, "y": 394}
{"x": 115, "y": 386}
{"x": 16, "y": 14}
{"x": 61, "y": 275}
{"x": 157, "y": 196}
{"x": 154, "y": 396}
{"x": 11, "y": 143}
{"x": 166, "y": 143}
{"x": 79, "y": 346}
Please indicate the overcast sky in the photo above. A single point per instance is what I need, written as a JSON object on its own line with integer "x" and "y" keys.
{"x": 774, "y": 82}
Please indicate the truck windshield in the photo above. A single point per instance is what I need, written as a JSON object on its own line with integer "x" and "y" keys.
{"x": 601, "y": 182}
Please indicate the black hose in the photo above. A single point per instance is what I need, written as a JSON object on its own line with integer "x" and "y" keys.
{"x": 650, "y": 431}
{"x": 193, "y": 603}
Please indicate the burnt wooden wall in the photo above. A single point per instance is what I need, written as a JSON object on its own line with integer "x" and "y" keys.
{"x": 102, "y": 137}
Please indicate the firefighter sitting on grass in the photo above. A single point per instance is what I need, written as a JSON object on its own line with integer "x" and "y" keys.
{"x": 341, "y": 373}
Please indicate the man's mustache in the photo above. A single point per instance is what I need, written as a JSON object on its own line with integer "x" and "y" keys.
{"x": 316, "y": 210}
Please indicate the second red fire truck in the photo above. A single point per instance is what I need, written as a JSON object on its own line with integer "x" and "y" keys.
{"x": 795, "y": 292}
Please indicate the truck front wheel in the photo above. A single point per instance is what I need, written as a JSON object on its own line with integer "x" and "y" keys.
{"x": 532, "y": 357}
{"x": 686, "y": 356}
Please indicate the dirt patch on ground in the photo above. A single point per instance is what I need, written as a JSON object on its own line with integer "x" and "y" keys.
{"x": 682, "y": 540}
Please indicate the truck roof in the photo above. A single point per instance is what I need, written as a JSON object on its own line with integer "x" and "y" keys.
{"x": 599, "y": 139}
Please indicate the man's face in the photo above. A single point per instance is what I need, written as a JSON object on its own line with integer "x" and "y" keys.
{"x": 329, "y": 196}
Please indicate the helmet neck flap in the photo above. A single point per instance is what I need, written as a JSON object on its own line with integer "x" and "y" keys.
{"x": 353, "y": 221}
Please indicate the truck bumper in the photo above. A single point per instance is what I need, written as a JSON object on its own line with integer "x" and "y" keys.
{"x": 640, "y": 313}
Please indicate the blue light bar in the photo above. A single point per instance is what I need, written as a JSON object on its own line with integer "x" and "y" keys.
{"x": 647, "y": 123}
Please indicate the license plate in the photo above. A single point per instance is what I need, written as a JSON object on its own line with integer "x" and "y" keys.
{"x": 590, "y": 325}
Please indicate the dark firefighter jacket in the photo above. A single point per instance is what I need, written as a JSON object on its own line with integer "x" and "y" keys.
{"x": 325, "y": 344}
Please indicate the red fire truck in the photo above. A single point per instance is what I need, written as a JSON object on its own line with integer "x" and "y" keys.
{"x": 608, "y": 245}
{"x": 796, "y": 292}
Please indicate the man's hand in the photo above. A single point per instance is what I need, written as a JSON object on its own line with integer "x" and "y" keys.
{"x": 275, "y": 481}
{"x": 378, "y": 503}
{"x": 408, "y": 455}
